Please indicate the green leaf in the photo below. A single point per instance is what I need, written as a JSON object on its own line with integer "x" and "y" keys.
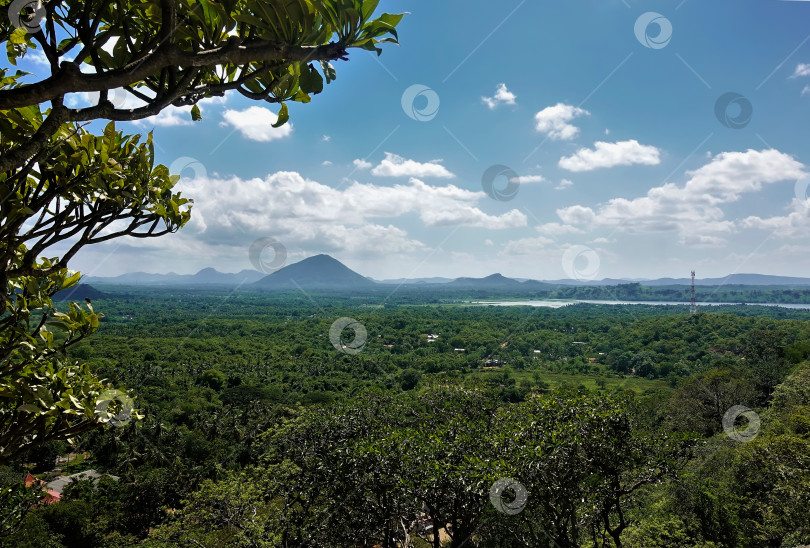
{"x": 310, "y": 80}
{"x": 195, "y": 113}
{"x": 283, "y": 116}
{"x": 29, "y": 408}
{"x": 328, "y": 71}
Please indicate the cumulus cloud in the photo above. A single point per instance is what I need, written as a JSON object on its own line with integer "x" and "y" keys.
{"x": 362, "y": 164}
{"x": 502, "y": 97}
{"x": 565, "y": 183}
{"x": 621, "y": 153}
{"x": 307, "y": 214}
{"x": 397, "y": 166}
{"x": 692, "y": 210}
{"x": 554, "y": 121}
{"x": 794, "y": 224}
{"x": 532, "y": 179}
{"x": 802, "y": 69}
{"x": 528, "y": 246}
{"x": 557, "y": 229}
{"x": 255, "y": 123}
{"x": 169, "y": 117}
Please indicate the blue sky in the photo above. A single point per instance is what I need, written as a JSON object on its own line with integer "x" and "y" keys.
{"x": 608, "y": 128}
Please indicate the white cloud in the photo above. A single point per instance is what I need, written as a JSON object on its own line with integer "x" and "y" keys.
{"x": 326, "y": 138}
{"x": 326, "y": 163}
{"x": 793, "y": 225}
{"x": 554, "y": 121}
{"x": 168, "y": 117}
{"x": 621, "y": 153}
{"x": 255, "y": 123}
{"x": 362, "y": 164}
{"x": 502, "y": 97}
{"x": 805, "y": 90}
{"x": 532, "y": 179}
{"x": 802, "y": 69}
{"x": 528, "y": 246}
{"x": 557, "y": 229}
{"x": 353, "y": 223}
{"x": 565, "y": 183}
{"x": 693, "y": 210}
{"x": 38, "y": 58}
{"x": 397, "y": 166}
{"x": 303, "y": 212}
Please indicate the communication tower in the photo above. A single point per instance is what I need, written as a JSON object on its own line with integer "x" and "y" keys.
{"x": 693, "y": 305}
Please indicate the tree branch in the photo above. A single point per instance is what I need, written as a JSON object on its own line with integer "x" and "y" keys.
{"x": 70, "y": 79}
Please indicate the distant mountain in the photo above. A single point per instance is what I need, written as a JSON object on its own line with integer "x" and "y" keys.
{"x": 324, "y": 271}
{"x": 318, "y": 272}
{"x": 434, "y": 280}
{"x": 205, "y": 276}
{"x": 734, "y": 279}
{"x": 78, "y": 293}
{"x": 494, "y": 281}
{"x": 212, "y": 276}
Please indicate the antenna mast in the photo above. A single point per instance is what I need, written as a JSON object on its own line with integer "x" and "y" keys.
{"x": 693, "y": 306}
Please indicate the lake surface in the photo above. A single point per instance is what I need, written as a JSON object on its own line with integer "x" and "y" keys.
{"x": 560, "y": 304}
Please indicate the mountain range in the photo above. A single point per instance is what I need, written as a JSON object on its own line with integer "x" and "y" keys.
{"x": 325, "y": 272}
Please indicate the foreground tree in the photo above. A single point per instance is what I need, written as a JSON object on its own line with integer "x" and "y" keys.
{"x": 62, "y": 185}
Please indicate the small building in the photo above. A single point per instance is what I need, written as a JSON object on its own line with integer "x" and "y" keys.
{"x": 459, "y": 350}
{"x": 51, "y": 496}
{"x": 58, "y": 485}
